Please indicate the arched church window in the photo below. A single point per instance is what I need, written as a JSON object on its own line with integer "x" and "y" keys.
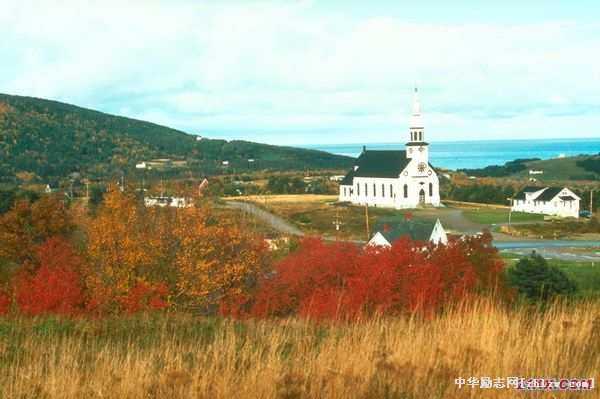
{"x": 431, "y": 189}
{"x": 374, "y": 190}
{"x": 366, "y": 190}
{"x": 406, "y": 191}
{"x": 357, "y": 189}
{"x": 383, "y": 190}
{"x": 391, "y": 190}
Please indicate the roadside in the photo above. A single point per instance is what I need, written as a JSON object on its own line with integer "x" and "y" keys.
{"x": 304, "y": 215}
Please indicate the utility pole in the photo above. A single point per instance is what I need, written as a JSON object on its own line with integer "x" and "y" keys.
{"x": 367, "y": 221}
{"x": 337, "y": 223}
{"x": 510, "y": 213}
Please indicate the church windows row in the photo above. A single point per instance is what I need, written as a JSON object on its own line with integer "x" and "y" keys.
{"x": 416, "y": 136}
{"x": 406, "y": 191}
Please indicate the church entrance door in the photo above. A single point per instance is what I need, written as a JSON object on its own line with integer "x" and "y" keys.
{"x": 421, "y": 197}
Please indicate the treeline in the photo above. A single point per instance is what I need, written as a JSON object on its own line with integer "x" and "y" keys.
{"x": 590, "y": 164}
{"x": 127, "y": 258}
{"x": 481, "y": 193}
{"x": 508, "y": 169}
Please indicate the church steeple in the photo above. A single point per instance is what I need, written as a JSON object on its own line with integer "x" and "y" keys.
{"x": 417, "y": 131}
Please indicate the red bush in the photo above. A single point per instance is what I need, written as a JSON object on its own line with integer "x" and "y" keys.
{"x": 54, "y": 286}
{"x": 145, "y": 297}
{"x": 345, "y": 281}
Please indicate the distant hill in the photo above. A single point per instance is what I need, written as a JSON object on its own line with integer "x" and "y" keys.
{"x": 49, "y": 139}
{"x": 582, "y": 167}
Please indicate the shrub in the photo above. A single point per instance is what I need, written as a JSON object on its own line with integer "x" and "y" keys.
{"x": 538, "y": 281}
{"x": 145, "y": 297}
{"x": 54, "y": 286}
{"x": 344, "y": 281}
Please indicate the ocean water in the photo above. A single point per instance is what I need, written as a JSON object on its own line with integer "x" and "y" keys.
{"x": 476, "y": 154}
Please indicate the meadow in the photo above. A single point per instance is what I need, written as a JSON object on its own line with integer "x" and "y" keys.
{"x": 179, "y": 356}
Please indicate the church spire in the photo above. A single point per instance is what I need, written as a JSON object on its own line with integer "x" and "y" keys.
{"x": 415, "y": 120}
{"x": 417, "y": 134}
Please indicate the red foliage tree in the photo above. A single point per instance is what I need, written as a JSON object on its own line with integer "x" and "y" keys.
{"x": 54, "y": 286}
{"x": 344, "y": 281}
{"x": 145, "y": 297}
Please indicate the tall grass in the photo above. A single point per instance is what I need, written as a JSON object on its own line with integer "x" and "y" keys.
{"x": 183, "y": 357}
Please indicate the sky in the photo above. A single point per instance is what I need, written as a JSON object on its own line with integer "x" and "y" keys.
{"x": 315, "y": 72}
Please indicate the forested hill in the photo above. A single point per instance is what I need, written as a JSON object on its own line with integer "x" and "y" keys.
{"x": 50, "y": 139}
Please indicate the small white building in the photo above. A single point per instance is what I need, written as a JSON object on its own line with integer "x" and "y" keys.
{"x": 554, "y": 201}
{"x": 395, "y": 179}
{"x": 426, "y": 231}
{"x": 164, "y": 201}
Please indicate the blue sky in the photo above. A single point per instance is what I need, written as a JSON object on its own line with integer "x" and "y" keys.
{"x": 315, "y": 72}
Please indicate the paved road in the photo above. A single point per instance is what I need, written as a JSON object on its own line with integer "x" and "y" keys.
{"x": 272, "y": 220}
{"x": 533, "y": 244}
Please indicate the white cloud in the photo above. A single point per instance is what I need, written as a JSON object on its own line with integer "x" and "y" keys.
{"x": 293, "y": 68}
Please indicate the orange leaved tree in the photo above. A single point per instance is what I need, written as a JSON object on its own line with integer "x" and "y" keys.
{"x": 216, "y": 259}
{"x": 27, "y": 225}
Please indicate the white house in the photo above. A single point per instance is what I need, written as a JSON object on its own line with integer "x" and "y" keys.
{"x": 163, "y": 201}
{"x": 553, "y": 201}
{"x": 394, "y": 179}
{"x": 416, "y": 230}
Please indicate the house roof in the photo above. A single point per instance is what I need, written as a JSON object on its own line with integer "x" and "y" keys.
{"x": 549, "y": 194}
{"x": 527, "y": 190}
{"x": 416, "y": 230}
{"x": 567, "y": 198}
{"x": 386, "y": 164}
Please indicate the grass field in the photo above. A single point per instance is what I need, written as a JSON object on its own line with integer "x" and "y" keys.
{"x": 495, "y": 216}
{"x": 185, "y": 357}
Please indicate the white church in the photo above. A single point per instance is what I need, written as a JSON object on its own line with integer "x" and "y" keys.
{"x": 395, "y": 179}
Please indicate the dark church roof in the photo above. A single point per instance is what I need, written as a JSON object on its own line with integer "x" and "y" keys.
{"x": 529, "y": 189}
{"x": 549, "y": 194}
{"x": 420, "y": 230}
{"x": 372, "y": 163}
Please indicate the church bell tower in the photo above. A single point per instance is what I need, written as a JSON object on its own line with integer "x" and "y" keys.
{"x": 417, "y": 148}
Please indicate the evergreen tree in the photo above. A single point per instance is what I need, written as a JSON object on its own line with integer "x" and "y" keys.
{"x": 537, "y": 280}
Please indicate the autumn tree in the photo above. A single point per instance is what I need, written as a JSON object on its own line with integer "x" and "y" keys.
{"x": 216, "y": 259}
{"x": 27, "y": 225}
{"x": 127, "y": 244}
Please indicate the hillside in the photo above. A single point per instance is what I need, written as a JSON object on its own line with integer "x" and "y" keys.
{"x": 48, "y": 139}
{"x": 583, "y": 167}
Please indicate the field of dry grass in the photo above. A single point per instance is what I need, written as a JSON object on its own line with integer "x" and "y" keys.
{"x": 185, "y": 357}
{"x": 284, "y": 198}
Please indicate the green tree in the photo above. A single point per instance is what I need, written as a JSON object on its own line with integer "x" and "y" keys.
{"x": 535, "y": 279}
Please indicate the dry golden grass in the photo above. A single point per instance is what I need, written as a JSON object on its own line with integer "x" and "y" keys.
{"x": 181, "y": 357}
{"x": 284, "y": 198}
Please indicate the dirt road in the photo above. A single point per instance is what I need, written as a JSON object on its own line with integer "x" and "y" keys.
{"x": 272, "y": 220}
